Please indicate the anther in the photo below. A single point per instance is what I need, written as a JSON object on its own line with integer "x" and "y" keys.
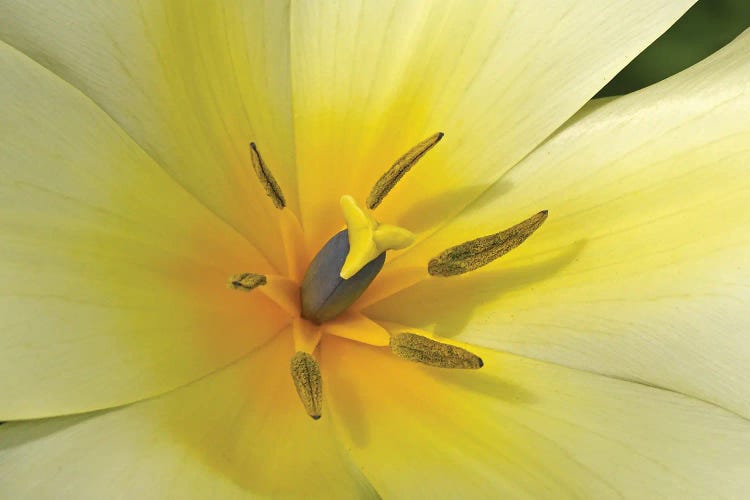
{"x": 266, "y": 178}
{"x": 476, "y": 253}
{"x": 309, "y": 384}
{"x": 247, "y": 281}
{"x": 394, "y": 174}
{"x": 417, "y": 348}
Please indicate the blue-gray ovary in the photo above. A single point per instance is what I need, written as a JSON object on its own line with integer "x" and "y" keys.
{"x": 324, "y": 293}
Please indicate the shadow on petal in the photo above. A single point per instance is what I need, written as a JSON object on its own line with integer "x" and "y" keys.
{"x": 428, "y": 213}
{"x": 476, "y": 289}
{"x": 354, "y": 419}
{"x": 38, "y": 429}
{"x": 247, "y": 423}
{"x": 447, "y": 304}
{"x": 486, "y": 384}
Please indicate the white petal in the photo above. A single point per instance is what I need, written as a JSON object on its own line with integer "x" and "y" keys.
{"x": 641, "y": 270}
{"x": 238, "y": 433}
{"x": 519, "y": 428}
{"x": 112, "y": 276}
{"x": 372, "y": 79}
{"x": 192, "y": 82}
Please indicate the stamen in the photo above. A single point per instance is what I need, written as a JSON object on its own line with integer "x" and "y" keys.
{"x": 306, "y": 335}
{"x": 414, "y": 347}
{"x": 266, "y": 178}
{"x": 394, "y": 174}
{"x": 476, "y": 253}
{"x": 247, "y": 281}
{"x": 309, "y": 384}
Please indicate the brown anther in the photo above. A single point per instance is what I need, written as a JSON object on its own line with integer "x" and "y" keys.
{"x": 266, "y": 178}
{"x": 476, "y": 253}
{"x": 247, "y": 281}
{"x": 394, "y": 174}
{"x": 417, "y": 348}
{"x": 309, "y": 384}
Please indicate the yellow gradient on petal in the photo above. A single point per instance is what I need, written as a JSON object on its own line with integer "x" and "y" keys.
{"x": 295, "y": 249}
{"x": 641, "y": 270}
{"x": 355, "y": 326}
{"x": 239, "y": 433}
{"x": 193, "y": 83}
{"x": 391, "y": 281}
{"x": 284, "y": 292}
{"x": 496, "y": 77}
{"x": 367, "y": 237}
{"x": 113, "y": 276}
{"x": 520, "y": 428}
{"x": 306, "y": 335}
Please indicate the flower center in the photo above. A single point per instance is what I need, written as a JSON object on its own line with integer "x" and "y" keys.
{"x": 347, "y": 264}
{"x": 345, "y": 267}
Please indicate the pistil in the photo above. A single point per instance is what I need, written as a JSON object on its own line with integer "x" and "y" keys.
{"x": 346, "y": 265}
{"x": 324, "y": 293}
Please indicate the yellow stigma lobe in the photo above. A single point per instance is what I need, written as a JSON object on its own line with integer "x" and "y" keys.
{"x": 367, "y": 237}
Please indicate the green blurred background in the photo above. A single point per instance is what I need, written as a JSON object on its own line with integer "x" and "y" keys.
{"x": 705, "y": 28}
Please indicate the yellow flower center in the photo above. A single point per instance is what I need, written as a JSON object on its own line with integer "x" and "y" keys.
{"x": 321, "y": 302}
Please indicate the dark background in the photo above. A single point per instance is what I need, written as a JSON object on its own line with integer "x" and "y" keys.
{"x": 705, "y": 28}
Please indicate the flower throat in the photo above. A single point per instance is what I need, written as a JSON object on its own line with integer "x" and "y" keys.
{"x": 343, "y": 269}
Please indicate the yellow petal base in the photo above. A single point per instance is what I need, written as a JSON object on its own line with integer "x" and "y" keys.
{"x": 355, "y": 326}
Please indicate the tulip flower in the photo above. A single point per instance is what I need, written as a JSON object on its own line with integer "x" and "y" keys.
{"x": 406, "y": 220}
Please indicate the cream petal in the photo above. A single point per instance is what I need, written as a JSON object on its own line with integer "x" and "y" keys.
{"x": 372, "y": 79}
{"x": 641, "y": 271}
{"x": 239, "y": 433}
{"x": 520, "y": 428}
{"x": 191, "y": 82}
{"x": 113, "y": 277}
